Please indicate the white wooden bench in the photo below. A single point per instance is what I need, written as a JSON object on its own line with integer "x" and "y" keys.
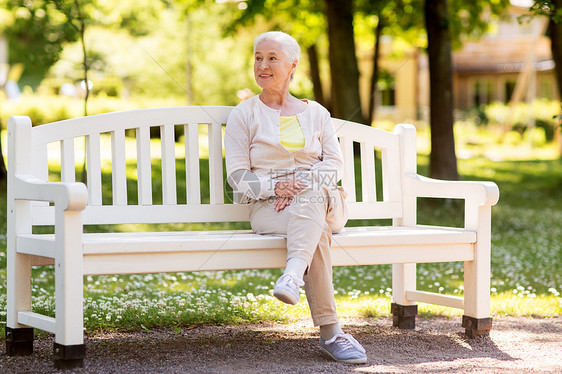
{"x": 68, "y": 206}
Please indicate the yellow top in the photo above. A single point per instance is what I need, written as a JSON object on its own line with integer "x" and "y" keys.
{"x": 292, "y": 137}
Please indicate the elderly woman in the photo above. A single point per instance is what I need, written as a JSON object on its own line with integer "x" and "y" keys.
{"x": 283, "y": 158}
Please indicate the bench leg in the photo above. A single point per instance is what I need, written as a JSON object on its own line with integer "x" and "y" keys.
{"x": 69, "y": 348}
{"x": 404, "y": 311}
{"x": 475, "y": 327}
{"x": 69, "y": 356}
{"x": 404, "y": 316}
{"x": 477, "y": 273}
{"x": 19, "y": 342}
{"x": 19, "y": 338}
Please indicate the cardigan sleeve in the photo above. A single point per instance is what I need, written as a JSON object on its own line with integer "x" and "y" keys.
{"x": 246, "y": 185}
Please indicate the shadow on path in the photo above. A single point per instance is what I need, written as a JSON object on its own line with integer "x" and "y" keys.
{"x": 436, "y": 346}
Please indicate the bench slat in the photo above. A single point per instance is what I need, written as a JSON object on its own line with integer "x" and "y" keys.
{"x": 68, "y": 168}
{"x": 369, "y": 193}
{"x": 166, "y": 262}
{"x": 392, "y": 186}
{"x": 371, "y": 237}
{"x": 93, "y": 167}
{"x": 135, "y": 263}
{"x": 215, "y": 164}
{"x": 144, "y": 167}
{"x": 169, "y": 194}
{"x": 122, "y": 253}
{"x": 192, "y": 163}
{"x": 41, "y": 162}
{"x": 348, "y": 180}
{"x": 401, "y": 254}
{"x": 107, "y": 214}
{"x": 40, "y": 167}
{"x": 119, "y": 163}
{"x": 133, "y": 214}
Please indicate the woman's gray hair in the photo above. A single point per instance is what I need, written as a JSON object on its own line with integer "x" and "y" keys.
{"x": 289, "y": 45}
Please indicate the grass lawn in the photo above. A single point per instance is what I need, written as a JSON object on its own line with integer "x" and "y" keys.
{"x": 526, "y": 265}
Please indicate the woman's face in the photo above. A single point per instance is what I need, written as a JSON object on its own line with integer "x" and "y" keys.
{"x": 272, "y": 68}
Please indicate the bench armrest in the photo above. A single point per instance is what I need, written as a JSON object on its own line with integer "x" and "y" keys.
{"x": 479, "y": 193}
{"x": 67, "y": 196}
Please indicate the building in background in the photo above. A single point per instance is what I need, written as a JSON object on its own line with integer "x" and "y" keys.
{"x": 511, "y": 63}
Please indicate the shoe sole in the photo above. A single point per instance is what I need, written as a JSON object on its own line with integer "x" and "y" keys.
{"x": 287, "y": 299}
{"x": 348, "y": 361}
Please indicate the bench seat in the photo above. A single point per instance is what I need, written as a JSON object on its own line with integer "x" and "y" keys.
{"x": 177, "y": 251}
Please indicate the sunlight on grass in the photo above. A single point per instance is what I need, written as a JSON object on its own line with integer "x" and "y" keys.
{"x": 504, "y": 304}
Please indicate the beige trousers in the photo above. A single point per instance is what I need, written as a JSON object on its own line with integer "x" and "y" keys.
{"x": 308, "y": 224}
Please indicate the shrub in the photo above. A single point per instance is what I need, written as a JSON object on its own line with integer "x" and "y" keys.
{"x": 518, "y": 116}
{"x": 536, "y": 137}
{"x": 47, "y": 108}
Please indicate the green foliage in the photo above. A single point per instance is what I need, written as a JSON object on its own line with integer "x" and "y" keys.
{"x": 36, "y": 32}
{"x": 546, "y": 8}
{"x": 306, "y": 23}
{"x": 404, "y": 19}
{"x": 155, "y": 64}
{"x": 50, "y": 108}
{"x": 138, "y": 17}
{"x": 470, "y": 19}
{"x": 518, "y": 116}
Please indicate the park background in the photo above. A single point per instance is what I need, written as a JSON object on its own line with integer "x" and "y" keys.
{"x": 366, "y": 61}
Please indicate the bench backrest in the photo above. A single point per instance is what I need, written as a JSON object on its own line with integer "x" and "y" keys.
{"x": 113, "y": 141}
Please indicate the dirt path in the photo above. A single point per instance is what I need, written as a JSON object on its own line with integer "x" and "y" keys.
{"x": 516, "y": 345}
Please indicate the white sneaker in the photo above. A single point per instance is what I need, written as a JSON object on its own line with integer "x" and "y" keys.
{"x": 344, "y": 348}
{"x": 287, "y": 288}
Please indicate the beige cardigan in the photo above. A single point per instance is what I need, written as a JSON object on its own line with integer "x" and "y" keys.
{"x": 256, "y": 160}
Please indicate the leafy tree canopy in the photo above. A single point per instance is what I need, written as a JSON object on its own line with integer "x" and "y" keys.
{"x": 36, "y": 32}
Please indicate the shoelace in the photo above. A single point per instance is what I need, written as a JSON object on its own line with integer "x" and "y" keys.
{"x": 346, "y": 342}
{"x": 291, "y": 281}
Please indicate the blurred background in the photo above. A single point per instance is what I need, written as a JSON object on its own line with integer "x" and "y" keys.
{"x": 187, "y": 52}
{"x": 480, "y": 80}
{"x": 477, "y": 78}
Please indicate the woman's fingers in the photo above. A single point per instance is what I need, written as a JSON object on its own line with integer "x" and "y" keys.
{"x": 289, "y": 188}
{"x": 285, "y": 191}
{"x": 281, "y": 203}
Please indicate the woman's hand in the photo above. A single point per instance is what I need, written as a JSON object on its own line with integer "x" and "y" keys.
{"x": 285, "y": 191}
{"x": 281, "y": 203}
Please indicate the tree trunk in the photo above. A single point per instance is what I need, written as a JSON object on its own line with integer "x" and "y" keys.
{"x": 443, "y": 162}
{"x": 375, "y": 73}
{"x": 346, "y": 102}
{"x": 315, "y": 75}
{"x": 555, "y": 34}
